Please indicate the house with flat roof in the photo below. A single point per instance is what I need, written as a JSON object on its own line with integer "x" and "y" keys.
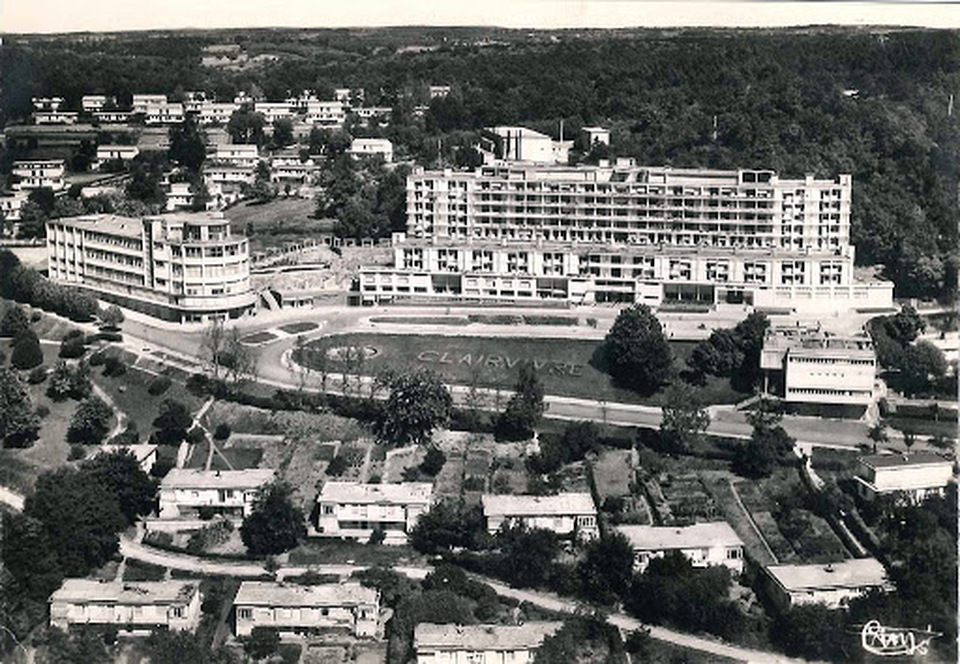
{"x": 571, "y": 514}
{"x": 108, "y": 153}
{"x": 141, "y": 101}
{"x": 145, "y": 454}
{"x": 111, "y": 117}
{"x": 369, "y": 147}
{"x": 325, "y": 113}
{"x": 354, "y": 510}
{"x": 10, "y": 204}
{"x": 92, "y": 103}
{"x": 911, "y": 477}
{"x": 39, "y": 174}
{"x": 55, "y": 117}
{"x": 703, "y": 544}
{"x": 833, "y": 584}
{"x": 594, "y": 135}
{"x": 187, "y": 493}
{"x": 216, "y": 112}
{"x": 47, "y": 103}
{"x": 237, "y": 154}
{"x": 480, "y": 644}
{"x": 294, "y": 609}
{"x": 133, "y": 607}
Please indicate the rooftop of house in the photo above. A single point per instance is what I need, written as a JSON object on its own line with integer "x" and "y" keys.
{"x": 269, "y": 593}
{"x": 859, "y": 573}
{"x": 92, "y": 591}
{"x": 356, "y": 492}
{"x": 661, "y": 538}
{"x": 110, "y": 224}
{"x": 372, "y": 142}
{"x": 560, "y": 504}
{"x": 430, "y": 636}
{"x": 886, "y": 461}
{"x": 798, "y": 339}
{"x": 187, "y": 478}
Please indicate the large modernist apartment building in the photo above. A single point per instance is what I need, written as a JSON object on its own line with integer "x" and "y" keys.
{"x": 523, "y": 232}
{"x": 180, "y": 267}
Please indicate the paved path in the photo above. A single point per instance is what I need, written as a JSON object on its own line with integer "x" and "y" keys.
{"x": 11, "y": 498}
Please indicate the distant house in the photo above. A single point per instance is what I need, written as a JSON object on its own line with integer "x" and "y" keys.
{"x": 106, "y": 153}
{"x": 237, "y": 154}
{"x": 913, "y": 476}
{"x": 300, "y": 609}
{"x": 594, "y": 135}
{"x": 11, "y": 203}
{"x": 47, "y": 103}
{"x": 146, "y": 455}
{"x": 367, "y": 147}
{"x": 187, "y": 493}
{"x": 216, "y": 113}
{"x": 92, "y": 103}
{"x": 55, "y": 117}
{"x": 287, "y": 168}
{"x": 141, "y": 101}
{"x": 164, "y": 113}
{"x": 703, "y": 544}
{"x": 436, "y": 91}
{"x": 565, "y": 514}
{"x": 329, "y": 114}
{"x": 111, "y": 117}
{"x": 179, "y": 197}
{"x": 133, "y": 607}
{"x": 833, "y": 584}
{"x": 273, "y": 111}
{"x": 480, "y": 644}
{"x": 353, "y": 510}
{"x": 39, "y": 174}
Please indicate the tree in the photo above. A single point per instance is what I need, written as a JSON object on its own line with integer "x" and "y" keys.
{"x": 433, "y": 461}
{"x": 921, "y": 364}
{"x": 684, "y": 418}
{"x": 637, "y": 353}
{"x": 246, "y": 126}
{"x": 90, "y": 422}
{"x": 86, "y": 646}
{"x": 528, "y": 555}
{"x": 15, "y": 322}
{"x": 720, "y": 355}
{"x": 262, "y": 642}
{"x": 275, "y": 524}
{"x": 419, "y": 402}
{"x": 282, "y": 132}
{"x": 525, "y": 407}
{"x": 878, "y": 434}
{"x": 112, "y": 316}
{"x": 904, "y": 326}
{"x": 120, "y": 473}
{"x": 606, "y": 568}
{"x": 19, "y": 423}
{"x": 27, "y": 353}
{"x": 183, "y": 647}
{"x": 188, "y": 145}
{"x": 582, "y": 639}
{"x": 72, "y": 347}
{"x": 172, "y": 421}
{"x": 448, "y": 525}
{"x": 80, "y": 517}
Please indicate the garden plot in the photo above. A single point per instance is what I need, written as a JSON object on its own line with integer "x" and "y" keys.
{"x": 681, "y": 499}
{"x": 399, "y": 460}
{"x": 614, "y": 473}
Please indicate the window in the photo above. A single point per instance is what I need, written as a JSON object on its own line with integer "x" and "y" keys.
{"x": 244, "y": 614}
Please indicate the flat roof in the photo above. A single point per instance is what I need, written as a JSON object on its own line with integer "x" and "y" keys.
{"x": 92, "y": 591}
{"x": 189, "y": 478}
{"x": 356, "y": 492}
{"x": 561, "y": 504}
{"x": 111, "y": 224}
{"x": 903, "y": 460}
{"x": 859, "y": 573}
{"x": 270, "y": 593}
{"x": 660, "y": 538}
{"x": 430, "y": 636}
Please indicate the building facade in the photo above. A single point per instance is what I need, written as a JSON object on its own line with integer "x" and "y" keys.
{"x": 354, "y": 511}
{"x": 480, "y": 644}
{"x": 39, "y": 174}
{"x": 568, "y": 514}
{"x": 910, "y": 477}
{"x": 142, "y": 101}
{"x": 522, "y": 233}
{"x": 108, "y": 153}
{"x": 703, "y": 544}
{"x": 237, "y": 154}
{"x": 294, "y": 609}
{"x": 133, "y": 607}
{"x": 191, "y": 494}
{"x": 368, "y": 147}
{"x": 832, "y": 585}
{"x": 184, "y": 267}
{"x": 330, "y": 114}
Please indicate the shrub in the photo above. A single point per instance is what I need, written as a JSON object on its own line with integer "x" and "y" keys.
{"x": 14, "y": 323}
{"x": 26, "y": 352}
{"x": 222, "y": 431}
{"x": 433, "y": 461}
{"x": 158, "y": 385}
{"x": 97, "y": 358}
{"x": 77, "y": 452}
{"x": 37, "y": 375}
{"x": 113, "y": 366}
{"x": 42, "y": 411}
{"x": 72, "y": 347}
{"x": 91, "y": 422}
{"x": 337, "y": 466}
{"x": 196, "y": 435}
{"x": 35, "y": 316}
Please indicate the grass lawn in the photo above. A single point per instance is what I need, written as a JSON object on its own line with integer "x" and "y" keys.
{"x": 719, "y": 488}
{"x": 258, "y": 338}
{"x": 136, "y": 570}
{"x": 279, "y": 221}
{"x": 299, "y": 328}
{"x": 319, "y": 551}
{"x": 129, "y": 392}
{"x": 566, "y": 366}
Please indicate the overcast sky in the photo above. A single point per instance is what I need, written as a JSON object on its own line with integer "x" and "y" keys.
{"x": 105, "y": 15}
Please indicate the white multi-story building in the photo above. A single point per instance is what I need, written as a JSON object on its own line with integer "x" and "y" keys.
{"x": 237, "y": 154}
{"x": 112, "y": 117}
{"x": 216, "y": 112}
{"x": 11, "y": 203}
{"x": 522, "y": 233}
{"x": 571, "y": 514}
{"x": 329, "y": 114}
{"x": 703, "y": 544}
{"x": 132, "y": 607}
{"x": 911, "y": 477}
{"x": 480, "y": 644}
{"x": 274, "y": 110}
{"x": 166, "y": 112}
{"x": 833, "y": 584}
{"x": 371, "y": 112}
{"x": 287, "y": 168}
{"x": 142, "y": 101}
{"x": 815, "y": 366}
{"x": 91, "y": 103}
{"x": 354, "y": 511}
{"x": 438, "y": 91}
{"x": 185, "y": 493}
{"x": 294, "y": 609}
{"x": 522, "y": 145}
{"x": 47, "y": 103}
{"x": 179, "y": 197}
{"x": 368, "y": 147}
{"x": 39, "y": 174}
{"x": 303, "y": 100}
{"x": 193, "y": 101}
{"x": 106, "y": 153}
{"x": 349, "y": 95}
{"x": 55, "y": 117}
{"x": 178, "y": 267}
{"x": 594, "y": 135}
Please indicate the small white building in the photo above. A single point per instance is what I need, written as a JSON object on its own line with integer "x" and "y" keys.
{"x": 142, "y": 101}
{"x": 294, "y": 609}
{"x": 273, "y": 111}
{"x": 520, "y": 144}
{"x": 909, "y": 476}
{"x": 565, "y": 513}
{"x": 594, "y": 135}
{"x": 480, "y": 644}
{"x": 833, "y": 584}
{"x": 112, "y": 117}
{"x": 179, "y": 197}
{"x": 47, "y": 103}
{"x": 133, "y": 607}
{"x": 164, "y": 113}
{"x": 145, "y": 454}
{"x": 216, "y": 112}
{"x": 287, "y": 168}
{"x": 185, "y": 493}
{"x": 55, "y": 117}
{"x": 325, "y": 113}
{"x": 226, "y": 174}
{"x": 703, "y": 544}
{"x": 354, "y": 511}
{"x": 438, "y": 91}
{"x": 39, "y": 174}
{"x": 368, "y": 147}
{"x": 237, "y": 154}
{"x": 107, "y": 153}
{"x": 92, "y": 103}
{"x": 10, "y": 204}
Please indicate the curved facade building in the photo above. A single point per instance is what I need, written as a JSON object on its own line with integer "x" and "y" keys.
{"x": 184, "y": 267}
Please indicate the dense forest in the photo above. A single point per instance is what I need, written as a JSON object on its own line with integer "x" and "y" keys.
{"x": 874, "y": 103}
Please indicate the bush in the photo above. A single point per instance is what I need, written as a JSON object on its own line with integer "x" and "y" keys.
{"x": 97, "y": 358}
{"x": 72, "y": 347}
{"x": 42, "y": 411}
{"x": 196, "y": 435}
{"x": 113, "y": 366}
{"x": 337, "y": 466}
{"x": 35, "y": 316}
{"x": 158, "y": 385}
{"x": 37, "y": 375}
{"x": 433, "y": 461}
{"x": 26, "y": 352}
{"x": 77, "y": 452}
{"x": 222, "y": 431}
